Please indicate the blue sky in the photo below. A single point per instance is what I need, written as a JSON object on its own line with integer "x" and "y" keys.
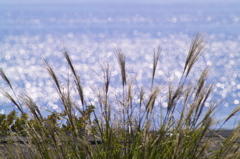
{"x": 111, "y": 1}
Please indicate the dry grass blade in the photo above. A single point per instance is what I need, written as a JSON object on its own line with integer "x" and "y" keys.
{"x": 155, "y": 62}
{"x": 122, "y": 62}
{"x": 196, "y": 50}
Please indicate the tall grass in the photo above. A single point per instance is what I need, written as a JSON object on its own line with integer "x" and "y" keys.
{"x": 138, "y": 130}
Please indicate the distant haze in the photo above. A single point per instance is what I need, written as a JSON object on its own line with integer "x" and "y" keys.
{"x": 110, "y": 1}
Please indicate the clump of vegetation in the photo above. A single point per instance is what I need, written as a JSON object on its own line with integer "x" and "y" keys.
{"x": 136, "y": 131}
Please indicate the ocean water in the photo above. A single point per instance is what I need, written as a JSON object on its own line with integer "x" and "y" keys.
{"x": 90, "y": 32}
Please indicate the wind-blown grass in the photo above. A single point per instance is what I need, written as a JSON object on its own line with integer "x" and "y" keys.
{"x": 138, "y": 130}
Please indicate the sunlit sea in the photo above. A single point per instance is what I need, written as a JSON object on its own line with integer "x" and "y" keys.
{"x": 91, "y": 32}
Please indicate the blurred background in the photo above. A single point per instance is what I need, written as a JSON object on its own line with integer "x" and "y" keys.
{"x": 31, "y": 31}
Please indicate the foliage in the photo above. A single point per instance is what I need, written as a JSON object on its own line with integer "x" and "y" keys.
{"x": 12, "y": 123}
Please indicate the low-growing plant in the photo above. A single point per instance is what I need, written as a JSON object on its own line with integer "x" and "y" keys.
{"x": 136, "y": 130}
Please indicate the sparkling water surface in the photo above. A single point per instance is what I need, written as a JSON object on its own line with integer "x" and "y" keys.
{"x": 90, "y": 32}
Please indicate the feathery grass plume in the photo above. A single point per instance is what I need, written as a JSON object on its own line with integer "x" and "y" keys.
{"x": 57, "y": 85}
{"x": 151, "y": 101}
{"x": 201, "y": 82}
{"x": 130, "y": 94}
{"x": 64, "y": 97}
{"x": 53, "y": 76}
{"x": 155, "y": 62}
{"x": 76, "y": 79}
{"x": 173, "y": 99}
{"x": 195, "y": 98}
{"x": 186, "y": 99}
{"x": 200, "y": 104}
{"x": 201, "y": 94}
{"x": 7, "y": 95}
{"x": 196, "y": 50}
{"x": 106, "y": 77}
{"x": 207, "y": 120}
{"x": 4, "y": 77}
{"x": 27, "y": 100}
{"x": 122, "y": 64}
{"x": 141, "y": 102}
{"x": 233, "y": 113}
{"x": 229, "y": 148}
{"x": 69, "y": 103}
